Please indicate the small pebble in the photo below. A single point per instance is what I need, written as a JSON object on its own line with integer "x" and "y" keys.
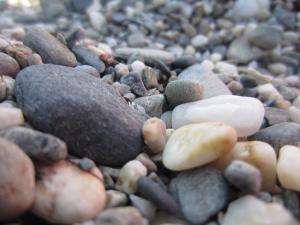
{"x": 134, "y": 81}
{"x": 147, "y": 162}
{"x": 167, "y": 118}
{"x": 8, "y": 65}
{"x": 10, "y": 117}
{"x": 115, "y": 199}
{"x": 154, "y": 132}
{"x": 146, "y": 208}
{"x": 152, "y": 104}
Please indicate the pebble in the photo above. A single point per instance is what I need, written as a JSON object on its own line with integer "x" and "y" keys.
{"x": 199, "y": 41}
{"x": 258, "y": 213}
{"x": 195, "y": 145}
{"x": 247, "y": 9}
{"x": 9, "y": 84}
{"x": 49, "y": 48}
{"x": 285, "y": 17}
{"x": 88, "y": 69}
{"x": 201, "y": 193}
{"x": 147, "y": 162}
{"x": 98, "y": 21}
{"x": 245, "y": 114}
{"x": 296, "y": 102}
{"x": 154, "y": 132}
{"x": 146, "y": 208}
{"x": 183, "y": 91}
{"x": 62, "y": 184}
{"x": 137, "y": 66}
{"x": 134, "y": 81}
{"x": 167, "y": 118}
{"x": 276, "y": 115}
{"x": 38, "y": 146}
{"x": 243, "y": 176}
{"x": 81, "y": 5}
{"x": 291, "y": 202}
{"x": 17, "y": 181}
{"x": 248, "y": 81}
{"x": 129, "y": 175}
{"x": 137, "y": 39}
{"x": 227, "y": 69}
{"x": 8, "y": 65}
{"x": 277, "y": 68}
{"x": 75, "y": 94}
{"x": 115, "y": 199}
{"x": 278, "y": 135}
{"x": 240, "y": 50}
{"x": 294, "y": 114}
{"x": 121, "y": 70}
{"x": 10, "y": 117}
{"x": 35, "y": 59}
{"x": 235, "y": 87}
{"x": 150, "y": 78}
{"x": 258, "y": 154}
{"x": 288, "y": 164}
{"x": 153, "y": 104}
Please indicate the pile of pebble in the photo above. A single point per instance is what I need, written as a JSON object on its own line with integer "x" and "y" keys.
{"x": 150, "y": 112}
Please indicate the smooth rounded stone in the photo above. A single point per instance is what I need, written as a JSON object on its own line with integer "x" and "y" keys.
{"x": 245, "y": 114}
{"x": 10, "y": 117}
{"x": 152, "y": 104}
{"x": 195, "y": 145}
{"x": 183, "y": 91}
{"x": 277, "y": 68}
{"x": 167, "y": 118}
{"x": 265, "y": 37}
{"x": 49, "y": 48}
{"x": 129, "y": 175}
{"x": 17, "y": 181}
{"x": 240, "y": 50}
{"x": 291, "y": 202}
{"x": 146, "y": 208}
{"x": 156, "y": 193}
{"x": 121, "y": 69}
{"x": 150, "y": 77}
{"x": 123, "y": 89}
{"x": 268, "y": 91}
{"x": 235, "y": 87}
{"x": 137, "y": 39}
{"x": 8, "y": 65}
{"x": 137, "y": 66}
{"x": 35, "y": 59}
{"x": 62, "y": 184}
{"x": 276, "y": 115}
{"x": 53, "y": 9}
{"x": 37, "y": 145}
{"x": 287, "y": 167}
{"x": 257, "y": 213}
{"x": 98, "y": 21}
{"x": 201, "y": 193}
{"x": 278, "y": 135}
{"x": 259, "y": 154}
{"x": 121, "y": 216}
{"x": 154, "y": 132}
{"x": 88, "y": 69}
{"x": 134, "y": 81}
{"x": 84, "y": 56}
{"x": 199, "y": 41}
{"x": 294, "y": 114}
{"x": 285, "y": 17}
{"x": 243, "y": 176}
{"x": 147, "y": 162}
{"x": 226, "y": 69}
{"x": 296, "y": 102}
{"x": 248, "y": 81}
{"x": 83, "y": 109}
{"x": 9, "y": 84}
{"x": 115, "y": 199}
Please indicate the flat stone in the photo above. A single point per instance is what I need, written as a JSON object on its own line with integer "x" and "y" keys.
{"x": 201, "y": 193}
{"x": 8, "y": 65}
{"x": 83, "y": 108}
{"x": 153, "y": 104}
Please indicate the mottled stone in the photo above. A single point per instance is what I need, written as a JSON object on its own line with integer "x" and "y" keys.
{"x": 134, "y": 81}
{"x": 153, "y": 104}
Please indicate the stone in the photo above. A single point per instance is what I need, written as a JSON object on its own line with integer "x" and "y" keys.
{"x": 134, "y": 81}
{"x": 95, "y": 107}
{"x": 267, "y": 92}
{"x": 88, "y": 69}
{"x": 278, "y": 135}
{"x": 81, "y": 5}
{"x": 258, "y": 213}
{"x": 123, "y": 89}
{"x": 146, "y": 208}
{"x": 147, "y": 162}
{"x": 183, "y": 91}
{"x": 288, "y": 164}
{"x": 235, "y": 87}
{"x": 199, "y": 41}
{"x": 248, "y": 81}
{"x": 291, "y": 202}
{"x": 258, "y": 154}
{"x": 115, "y": 199}
{"x": 265, "y": 37}
{"x": 98, "y": 21}
{"x": 195, "y": 145}
{"x": 240, "y": 50}
{"x": 167, "y": 118}
{"x": 35, "y": 59}
{"x": 152, "y": 104}
{"x": 137, "y": 39}
{"x": 137, "y": 66}
{"x": 38, "y": 146}
{"x": 156, "y": 193}
{"x": 245, "y": 114}
{"x": 10, "y": 117}
{"x": 285, "y": 17}
{"x": 154, "y": 132}
{"x": 17, "y": 181}
{"x": 62, "y": 184}
{"x": 53, "y": 9}
{"x": 49, "y": 48}
{"x": 276, "y": 115}
{"x": 201, "y": 193}
{"x": 243, "y": 176}
{"x": 296, "y": 102}
{"x": 121, "y": 216}
{"x": 8, "y": 65}
{"x": 9, "y": 84}
{"x": 247, "y": 9}
{"x": 163, "y": 218}
{"x": 277, "y": 68}
{"x": 129, "y": 175}
{"x": 121, "y": 70}
{"x": 150, "y": 77}
{"x": 294, "y": 114}
{"x": 226, "y": 69}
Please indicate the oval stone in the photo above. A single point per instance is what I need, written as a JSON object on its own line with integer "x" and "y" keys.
{"x": 245, "y": 114}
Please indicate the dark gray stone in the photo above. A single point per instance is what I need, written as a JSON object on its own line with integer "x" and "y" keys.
{"x": 49, "y": 48}
{"x": 8, "y": 65}
{"x": 37, "y": 145}
{"x": 278, "y": 135}
{"x": 291, "y": 202}
{"x": 201, "y": 193}
{"x": 153, "y": 104}
{"x": 81, "y": 5}
{"x": 134, "y": 81}
{"x": 86, "y": 113}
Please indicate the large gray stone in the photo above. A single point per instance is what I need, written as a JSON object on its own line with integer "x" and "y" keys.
{"x": 86, "y": 113}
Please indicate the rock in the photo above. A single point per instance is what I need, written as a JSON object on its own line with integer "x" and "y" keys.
{"x": 199, "y": 41}
{"x": 291, "y": 202}
{"x": 268, "y": 91}
{"x": 268, "y": 213}
{"x": 258, "y": 154}
{"x": 121, "y": 216}
{"x": 98, "y": 21}
{"x": 115, "y": 199}
{"x": 183, "y": 91}
{"x": 163, "y": 218}
{"x": 10, "y": 117}
{"x": 154, "y": 132}
{"x": 201, "y": 193}
{"x": 7, "y": 83}
{"x": 277, "y": 68}
{"x": 8, "y": 65}
{"x": 288, "y": 163}
{"x": 81, "y": 5}
{"x": 88, "y": 69}
{"x": 247, "y": 9}
{"x": 155, "y": 193}
{"x": 278, "y": 135}
{"x": 227, "y": 69}
{"x": 37, "y": 145}
{"x": 235, "y": 87}
{"x": 245, "y": 114}
{"x": 240, "y": 50}
{"x": 149, "y": 77}
{"x": 146, "y": 208}
{"x": 195, "y": 145}
{"x": 275, "y": 115}
{"x": 147, "y": 162}
{"x": 35, "y": 59}
{"x": 62, "y": 184}
{"x": 265, "y": 37}
{"x": 243, "y": 176}
{"x": 129, "y": 175}
{"x": 134, "y": 81}
{"x": 53, "y": 9}
{"x": 121, "y": 70}
{"x": 49, "y": 48}
{"x": 152, "y": 104}
{"x": 123, "y": 89}
{"x": 94, "y": 105}
{"x": 137, "y": 39}
{"x": 167, "y": 118}
{"x": 248, "y": 81}
{"x": 296, "y": 102}
{"x": 294, "y": 114}
{"x": 17, "y": 181}
{"x": 212, "y": 85}
{"x": 285, "y": 17}
{"x": 137, "y": 66}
